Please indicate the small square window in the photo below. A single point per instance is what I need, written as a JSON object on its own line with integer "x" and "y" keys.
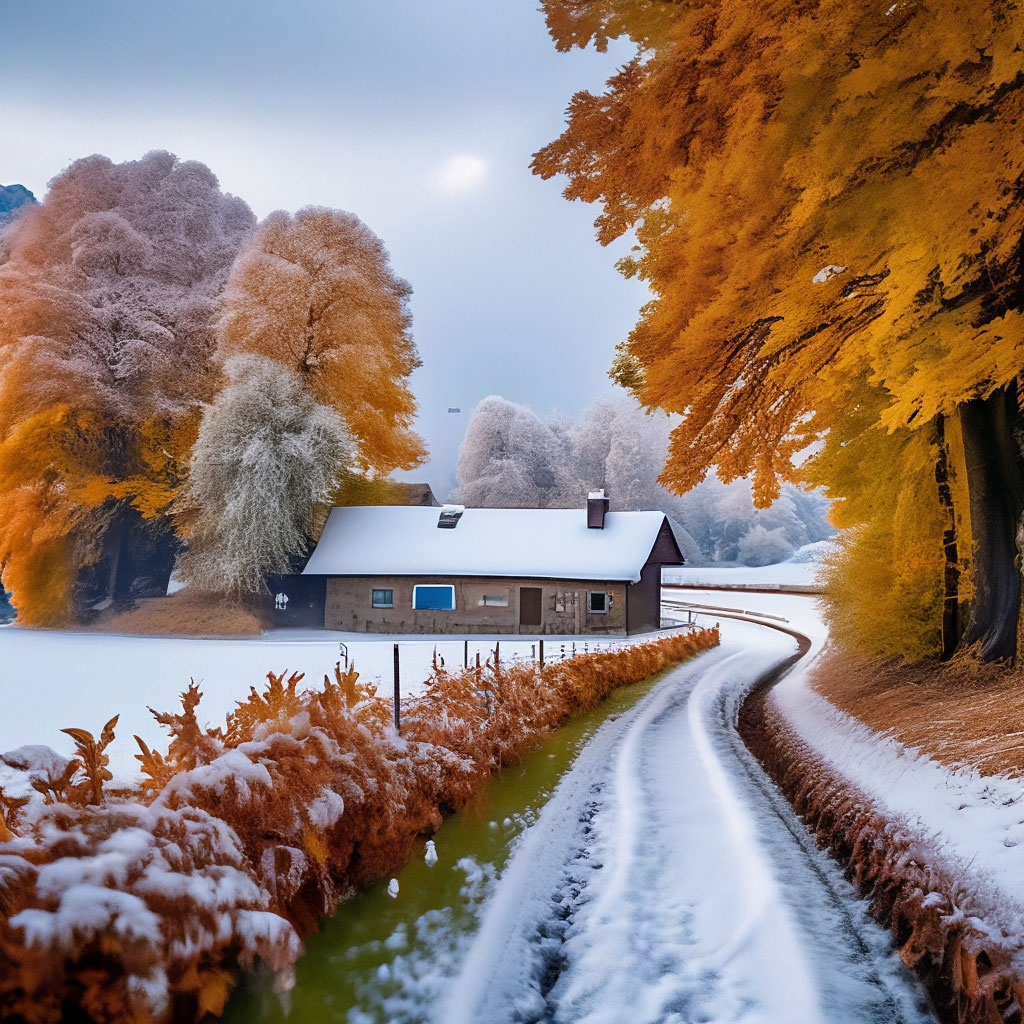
{"x": 426, "y": 597}
{"x": 494, "y": 600}
{"x": 597, "y": 602}
{"x": 382, "y": 598}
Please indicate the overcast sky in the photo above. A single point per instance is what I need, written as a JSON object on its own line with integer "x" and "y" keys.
{"x": 419, "y": 117}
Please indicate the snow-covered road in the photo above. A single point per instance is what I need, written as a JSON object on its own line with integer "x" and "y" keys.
{"x": 666, "y": 880}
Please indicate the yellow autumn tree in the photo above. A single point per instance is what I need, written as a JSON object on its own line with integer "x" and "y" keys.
{"x": 884, "y": 582}
{"x": 315, "y": 291}
{"x": 820, "y": 194}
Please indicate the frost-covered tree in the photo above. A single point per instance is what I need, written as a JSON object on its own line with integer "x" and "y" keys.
{"x": 759, "y": 546}
{"x": 510, "y": 457}
{"x": 108, "y": 291}
{"x": 265, "y": 453}
{"x": 720, "y": 515}
{"x": 316, "y": 292}
{"x": 591, "y": 439}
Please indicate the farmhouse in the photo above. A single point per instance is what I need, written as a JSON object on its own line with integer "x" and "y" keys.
{"x": 402, "y": 569}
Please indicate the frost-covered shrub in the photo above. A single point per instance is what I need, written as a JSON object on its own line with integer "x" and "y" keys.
{"x": 241, "y": 838}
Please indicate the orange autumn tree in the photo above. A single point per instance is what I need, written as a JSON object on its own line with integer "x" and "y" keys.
{"x": 315, "y": 291}
{"x": 821, "y": 195}
{"x": 107, "y": 297}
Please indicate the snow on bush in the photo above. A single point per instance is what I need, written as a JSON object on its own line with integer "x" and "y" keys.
{"x": 142, "y": 905}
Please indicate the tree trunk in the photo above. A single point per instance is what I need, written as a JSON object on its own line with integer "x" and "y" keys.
{"x": 996, "y": 490}
{"x": 115, "y": 541}
{"x": 951, "y": 572}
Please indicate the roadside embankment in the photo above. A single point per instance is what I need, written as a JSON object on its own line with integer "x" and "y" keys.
{"x": 964, "y": 713}
{"x": 932, "y": 847}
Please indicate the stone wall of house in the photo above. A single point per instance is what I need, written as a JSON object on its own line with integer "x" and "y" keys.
{"x": 564, "y": 606}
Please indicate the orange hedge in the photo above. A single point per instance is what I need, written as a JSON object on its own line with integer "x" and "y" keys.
{"x": 142, "y": 906}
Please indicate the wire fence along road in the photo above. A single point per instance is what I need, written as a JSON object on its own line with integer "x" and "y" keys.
{"x": 412, "y": 662}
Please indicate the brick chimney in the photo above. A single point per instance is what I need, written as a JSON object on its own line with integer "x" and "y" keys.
{"x": 597, "y": 508}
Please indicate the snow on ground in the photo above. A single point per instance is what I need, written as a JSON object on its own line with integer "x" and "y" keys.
{"x": 54, "y": 680}
{"x": 799, "y": 570}
{"x": 665, "y": 879}
{"x": 972, "y": 825}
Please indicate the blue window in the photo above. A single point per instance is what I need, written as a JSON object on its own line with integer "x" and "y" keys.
{"x": 433, "y": 598}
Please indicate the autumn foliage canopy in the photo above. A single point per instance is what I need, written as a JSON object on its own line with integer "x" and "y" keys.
{"x": 827, "y": 206}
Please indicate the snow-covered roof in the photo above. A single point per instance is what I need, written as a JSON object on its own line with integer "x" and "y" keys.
{"x": 398, "y": 540}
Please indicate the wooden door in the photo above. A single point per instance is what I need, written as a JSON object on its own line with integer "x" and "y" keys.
{"x": 529, "y": 606}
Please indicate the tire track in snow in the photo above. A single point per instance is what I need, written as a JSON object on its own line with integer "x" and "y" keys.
{"x": 550, "y": 872}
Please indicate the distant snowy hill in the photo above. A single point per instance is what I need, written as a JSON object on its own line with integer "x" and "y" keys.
{"x": 12, "y": 198}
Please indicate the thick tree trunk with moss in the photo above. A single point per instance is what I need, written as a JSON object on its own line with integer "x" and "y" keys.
{"x": 951, "y": 571}
{"x": 996, "y": 487}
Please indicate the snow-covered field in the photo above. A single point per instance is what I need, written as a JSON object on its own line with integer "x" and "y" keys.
{"x": 54, "y": 680}
{"x": 800, "y": 571}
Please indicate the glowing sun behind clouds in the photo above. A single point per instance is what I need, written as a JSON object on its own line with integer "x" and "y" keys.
{"x": 461, "y": 173}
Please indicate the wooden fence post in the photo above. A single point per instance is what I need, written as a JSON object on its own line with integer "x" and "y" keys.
{"x": 541, "y": 645}
{"x": 398, "y": 695}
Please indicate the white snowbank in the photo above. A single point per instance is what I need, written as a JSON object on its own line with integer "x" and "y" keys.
{"x": 972, "y": 825}
{"x": 799, "y": 570}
